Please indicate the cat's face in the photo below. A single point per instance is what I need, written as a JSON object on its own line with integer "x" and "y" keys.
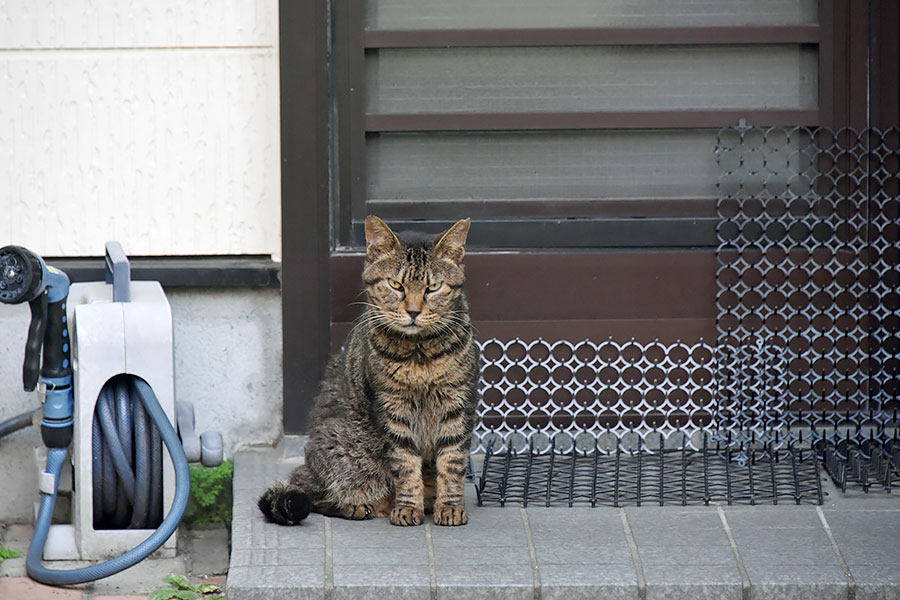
{"x": 414, "y": 286}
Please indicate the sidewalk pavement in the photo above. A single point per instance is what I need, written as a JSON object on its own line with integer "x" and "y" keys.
{"x": 849, "y": 548}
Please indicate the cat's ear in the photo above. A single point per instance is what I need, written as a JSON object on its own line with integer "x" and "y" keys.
{"x": 380, "y": 240}
{"x": 452, "y": 244}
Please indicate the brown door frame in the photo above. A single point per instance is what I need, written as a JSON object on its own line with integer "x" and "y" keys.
{"x": 305, "y": 230}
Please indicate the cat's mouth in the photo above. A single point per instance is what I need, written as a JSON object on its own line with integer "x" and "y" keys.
{"x": 412, "y": 327}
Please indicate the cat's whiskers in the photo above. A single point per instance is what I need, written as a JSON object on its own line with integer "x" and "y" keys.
{"x": 445, "y": 328}
{"x": 464, "y": 322}
{"x": 370, "y": 317}
{"x": 364, "y": 303}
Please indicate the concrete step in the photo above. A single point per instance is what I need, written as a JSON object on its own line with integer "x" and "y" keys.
{"x": 847, "y": 548}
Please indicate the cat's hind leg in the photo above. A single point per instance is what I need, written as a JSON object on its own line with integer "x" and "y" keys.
{"x": 355, "y": 481}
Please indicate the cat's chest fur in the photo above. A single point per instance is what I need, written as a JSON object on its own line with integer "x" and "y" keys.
{"x": 411, "y": 365}
{"x": 418, "y": 390}
{"x": 421, "y": 377}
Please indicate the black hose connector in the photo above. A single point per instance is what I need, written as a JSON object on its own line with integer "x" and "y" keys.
{"x": 56, "y": 434}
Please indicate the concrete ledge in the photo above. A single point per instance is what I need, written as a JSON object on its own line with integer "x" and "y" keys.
{"x": 785, "y": 551}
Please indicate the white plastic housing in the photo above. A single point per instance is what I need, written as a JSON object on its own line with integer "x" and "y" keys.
{"x": 110, "y": 338}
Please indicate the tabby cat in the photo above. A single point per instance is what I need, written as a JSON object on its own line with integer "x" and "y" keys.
{"x": 392, "y": 424}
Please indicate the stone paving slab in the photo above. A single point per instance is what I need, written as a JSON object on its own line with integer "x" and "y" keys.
{"x": 693, "y": 582}
{"x": 869, "y": 542}
{"x": 276, "y": 582}
{"x": 787, "y": 552}
{"x": 646, "y": 553}
{"x": 367, "y": 581}
{"x": 564, "y": 581}
{"x": 684, "y": 552}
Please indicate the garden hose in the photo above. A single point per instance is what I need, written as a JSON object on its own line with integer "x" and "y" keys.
{"x": 126, "y": 460}
{"x": 140, "y": 393}
{"x": 16, "y": 423}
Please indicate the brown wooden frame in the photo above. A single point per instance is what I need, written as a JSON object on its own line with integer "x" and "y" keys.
{"x": 607, "y": 119}
{"x": 305, "y": 147}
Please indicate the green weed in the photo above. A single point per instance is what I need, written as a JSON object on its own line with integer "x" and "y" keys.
{"x": 7, "y": 553}
{"x": 211, "y": 495}
{"x": 180, "y": 588}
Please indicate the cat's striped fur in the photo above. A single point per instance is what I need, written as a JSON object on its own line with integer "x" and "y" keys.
{"x": 392, "y": 424}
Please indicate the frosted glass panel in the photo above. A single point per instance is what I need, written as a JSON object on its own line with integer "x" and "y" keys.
{"x": 577, "y": 164}
{"x": 449, "y": 14}
{"x": 590, "y": 78}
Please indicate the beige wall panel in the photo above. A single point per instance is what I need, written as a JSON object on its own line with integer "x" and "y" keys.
{"x": 137, "y": 23}
{"x": 167, "y": 151}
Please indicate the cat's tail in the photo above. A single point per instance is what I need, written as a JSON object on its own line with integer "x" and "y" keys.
{"x": 289, "y": 501}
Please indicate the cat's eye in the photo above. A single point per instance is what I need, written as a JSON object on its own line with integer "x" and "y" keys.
{"x": 395, "y": 284}
{"x": 433, "y": 287}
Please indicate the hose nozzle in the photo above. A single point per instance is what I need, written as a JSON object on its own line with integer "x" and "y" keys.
{"x": 24, "y": 277}
{"x": 21, "y": 275}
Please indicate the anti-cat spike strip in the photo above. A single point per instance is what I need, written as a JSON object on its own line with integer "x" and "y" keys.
{"x": 805, "y": 365}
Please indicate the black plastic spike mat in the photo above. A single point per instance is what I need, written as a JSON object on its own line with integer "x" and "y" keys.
{"x": 803, "y": 375}
{"x": 717, "y": 473}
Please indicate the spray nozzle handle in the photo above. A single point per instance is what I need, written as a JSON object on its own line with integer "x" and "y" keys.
{"x": 31, "y": 368}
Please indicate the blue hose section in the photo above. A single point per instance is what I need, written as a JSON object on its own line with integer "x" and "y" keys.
{"x": 56, "y": 457}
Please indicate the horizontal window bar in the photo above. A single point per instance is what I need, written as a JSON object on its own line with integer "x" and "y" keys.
{"x": 565, "y": 208}
{"x": 174, "y": 271}
{"x": 555, "y": 121}
{"x": 571, "y": 233}
{"x": 590, "y": 36}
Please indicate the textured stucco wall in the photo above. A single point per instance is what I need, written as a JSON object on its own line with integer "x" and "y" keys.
{"x": 227, "y": 362}
{"x": 151, "y": 122}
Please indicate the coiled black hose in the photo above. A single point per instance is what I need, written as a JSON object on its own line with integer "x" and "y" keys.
{"x": 127, "y": 460}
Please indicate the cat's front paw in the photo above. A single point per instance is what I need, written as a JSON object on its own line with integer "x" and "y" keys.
{"x": 407, "y": 515}
{"x": 450, "y": 515}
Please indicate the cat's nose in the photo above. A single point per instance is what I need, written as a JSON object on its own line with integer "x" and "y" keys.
{"x": 413, "y": 313}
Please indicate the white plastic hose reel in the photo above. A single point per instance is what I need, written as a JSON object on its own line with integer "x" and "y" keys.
{"x": 132, "y": 335}
{"x": 117, "y": 327}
